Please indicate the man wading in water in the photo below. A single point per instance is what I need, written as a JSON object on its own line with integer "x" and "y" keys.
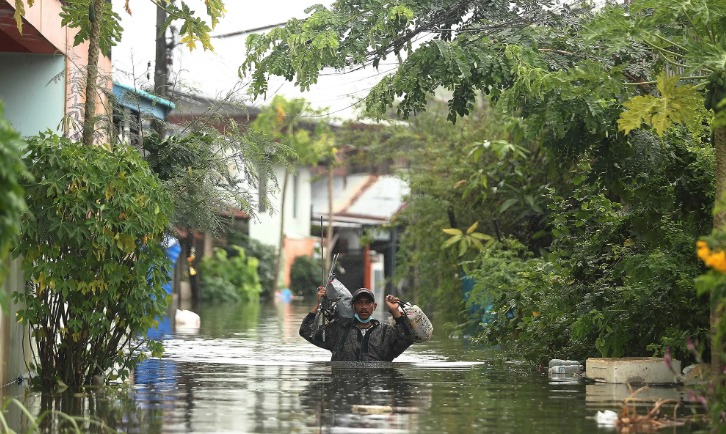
{"x": 362, "y": 338}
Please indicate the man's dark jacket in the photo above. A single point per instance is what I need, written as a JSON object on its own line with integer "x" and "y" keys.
{"x": 381, "y": 342}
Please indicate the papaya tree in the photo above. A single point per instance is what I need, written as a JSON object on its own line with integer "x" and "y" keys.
{"x": 689, "y": 41}
{"x": 98, "y": 24}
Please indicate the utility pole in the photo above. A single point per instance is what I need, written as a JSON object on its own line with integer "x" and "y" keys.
{"x": 161, "y": 66}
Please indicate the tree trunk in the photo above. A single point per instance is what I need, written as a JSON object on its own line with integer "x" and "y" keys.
{"x": 281, "y": 241}
{"x": 719, "y": 221}
{"x": 89, "y": 114}
{"x": 329, "y": 237}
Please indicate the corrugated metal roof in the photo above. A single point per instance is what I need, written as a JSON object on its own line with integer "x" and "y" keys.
{"x": 360, "y": 199}
{"x": 382, "y": 199}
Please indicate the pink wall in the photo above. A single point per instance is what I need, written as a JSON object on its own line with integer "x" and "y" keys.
{"x": 44, "y": 19}
{"x": 293, "y": 249}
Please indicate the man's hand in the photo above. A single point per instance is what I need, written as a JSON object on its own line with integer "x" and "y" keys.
{"x": 321, "y": 294}
{"x": 392, "y": 305}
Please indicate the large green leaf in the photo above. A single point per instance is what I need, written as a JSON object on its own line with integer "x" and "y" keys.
{"x": 676, "y": 104}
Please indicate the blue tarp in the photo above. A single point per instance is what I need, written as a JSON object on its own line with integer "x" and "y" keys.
{"x": 173, "y": 250}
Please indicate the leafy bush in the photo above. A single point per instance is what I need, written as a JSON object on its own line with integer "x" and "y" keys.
{"x": 12, "y": 202}
{"x": 230, "y": 277}
{"x": 94, "y": 259}
{"x": 265, "y": 255}
{"x": 216, "y": 289}
{"x": 515, "y": 299}
{"x": 608, "y": 286}
{"x": 305, "y": 275}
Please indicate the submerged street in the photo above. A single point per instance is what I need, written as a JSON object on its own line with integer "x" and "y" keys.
{"x": 247, "y": 370}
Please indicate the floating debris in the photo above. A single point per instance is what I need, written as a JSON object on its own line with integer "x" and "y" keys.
{"x": 372, "y": 409}
{"x": 630, "y": 421}
{"x": 606, "y": 418}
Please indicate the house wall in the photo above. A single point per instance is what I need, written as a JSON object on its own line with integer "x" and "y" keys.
{"x": 33, "y": 101}
{"x": 293, "y": 249}
{"x": 266, "y": 228}
{"x": 64, "y": 68}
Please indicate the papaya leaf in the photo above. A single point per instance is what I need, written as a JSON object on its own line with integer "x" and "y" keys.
{"x": 676, "y": 104}
{"x": 463, "y": 247}
{"x": 18, "y": 15}
{"x": 507, "y": 204}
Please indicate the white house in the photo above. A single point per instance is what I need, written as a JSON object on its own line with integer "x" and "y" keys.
{"x": 265, "y": 227}
{"x": 363, "y": 205}
{"x": 264, "y": 224}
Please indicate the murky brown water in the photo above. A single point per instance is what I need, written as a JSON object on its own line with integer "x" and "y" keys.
{"x": 247, "y": 371}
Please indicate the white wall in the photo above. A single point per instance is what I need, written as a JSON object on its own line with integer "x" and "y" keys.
{"x": 33, "y": 100}
{"x": 266, "y": 228}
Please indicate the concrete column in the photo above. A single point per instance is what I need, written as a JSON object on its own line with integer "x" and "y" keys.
{"x": 14, "y": 350}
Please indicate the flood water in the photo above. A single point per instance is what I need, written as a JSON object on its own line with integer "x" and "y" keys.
{"x": 246, "y": 370}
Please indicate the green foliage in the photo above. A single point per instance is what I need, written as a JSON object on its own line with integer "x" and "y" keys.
{"x": 289, "y": 122}
{"x": 618, "y": 277}
{"x": 79, "y": 14}
{"x": 230, "y": 278}
{"x": 194, "y": 29}
{"x": 465, "y": 240}
{"x": 265, "y": 255}
{"x": 350, "y": 33}
{"x": 12, "y": 200}
{"x": 94, "y": 259}
{"x": 521, "y": 303}
{"x": 217, "y": 289}
{"x": 495, "y": 184}
{"x": 677, "y": 104}
{"x": 209, "y": 175}
{"x": 305, "y": 276}
{"x": 695, "y": 45}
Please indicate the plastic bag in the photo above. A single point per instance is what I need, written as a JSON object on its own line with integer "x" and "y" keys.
{"x": 341, "y": 296}
{"x": 419, "y": 322}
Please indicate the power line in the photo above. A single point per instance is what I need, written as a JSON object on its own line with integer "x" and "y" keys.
{"x": 244, "y": 32}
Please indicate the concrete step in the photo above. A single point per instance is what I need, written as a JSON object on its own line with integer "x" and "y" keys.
{"x": 633, "y": 370}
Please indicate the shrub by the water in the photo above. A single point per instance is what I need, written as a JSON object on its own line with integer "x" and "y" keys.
{"x": 305, "y": 275}
{"x": 265, "y": 255}
{"x": 93, "y": 259}
{"x": 230, "y": 278}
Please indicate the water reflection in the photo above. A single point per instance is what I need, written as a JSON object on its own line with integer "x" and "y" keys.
{"x": 365, "y": 396}
{"x": 248, "y": 371}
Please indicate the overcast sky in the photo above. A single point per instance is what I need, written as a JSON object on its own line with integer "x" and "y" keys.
{"x": 215, "y": 73}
